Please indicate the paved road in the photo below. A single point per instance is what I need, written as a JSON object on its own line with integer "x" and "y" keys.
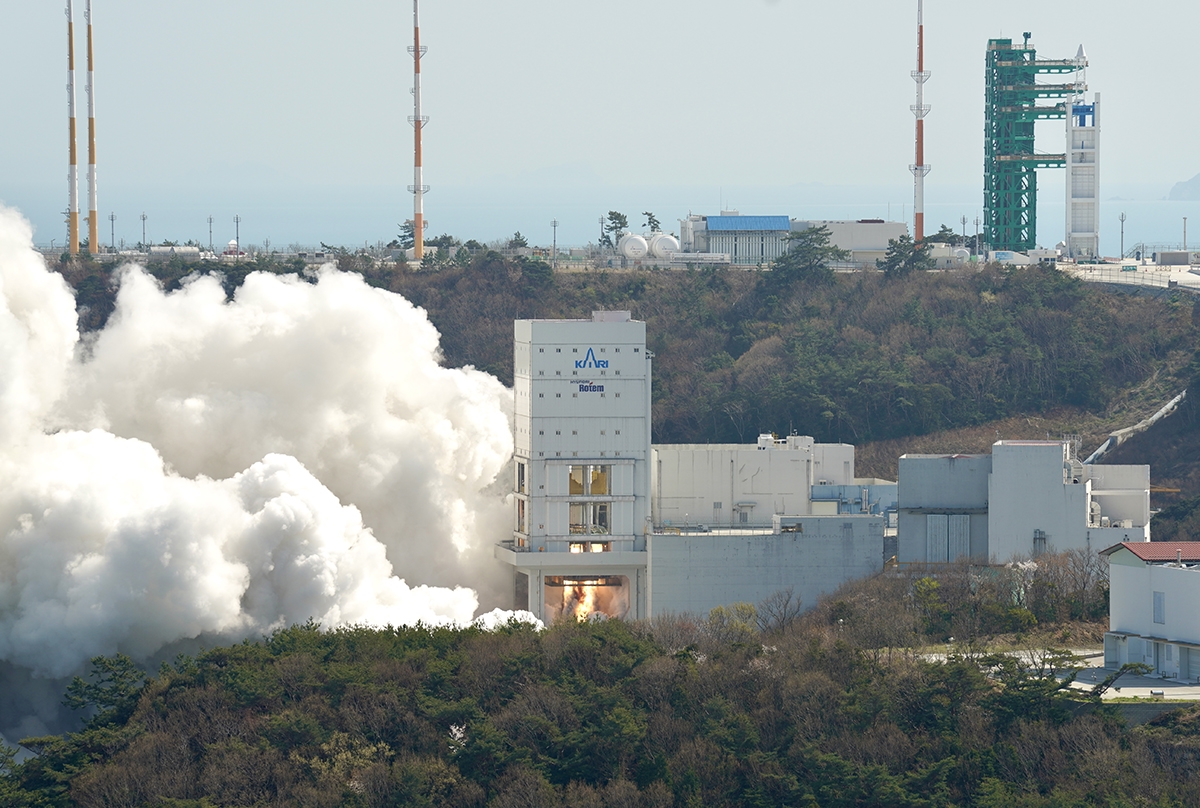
{"x": 1150, "y": 276}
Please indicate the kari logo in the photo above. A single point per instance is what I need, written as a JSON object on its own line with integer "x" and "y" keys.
{"x": 590, "y": 361}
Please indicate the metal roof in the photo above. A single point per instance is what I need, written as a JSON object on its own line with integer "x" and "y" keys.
{"x": 744, "y": 223}
{"x": 1159, "y": 550}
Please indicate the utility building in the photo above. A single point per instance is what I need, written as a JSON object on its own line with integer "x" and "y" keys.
{"x": 1024, "y": 499}
{"x": 1154, "y": 607}
{"x": 749, "y": 240}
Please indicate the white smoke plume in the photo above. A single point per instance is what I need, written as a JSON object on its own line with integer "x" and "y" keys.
{"x": 204, "y": 468}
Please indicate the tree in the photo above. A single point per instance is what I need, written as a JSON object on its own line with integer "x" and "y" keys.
{"x": 903, "y": 256}
{"x": 946, "y": 235}
{"x": 114, "y": 693}
{"x": 517, "y": 241}
{"x": 652, "y": 221}
{"x": 808, "y": 257}
{"x": 618, "y": 223}
{"x": 407, "y": 237}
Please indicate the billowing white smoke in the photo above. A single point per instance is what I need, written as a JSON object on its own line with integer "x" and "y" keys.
{"x": 204, "y": 468}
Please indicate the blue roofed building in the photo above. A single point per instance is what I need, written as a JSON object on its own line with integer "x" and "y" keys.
{"x": 748, "y": 240}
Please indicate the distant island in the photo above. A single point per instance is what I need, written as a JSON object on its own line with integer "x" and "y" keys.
{"x": 1186, "y": 191}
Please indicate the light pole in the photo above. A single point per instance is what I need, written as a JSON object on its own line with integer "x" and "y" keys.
{"x": 112, "y": 234}
{"x": 964, "y": 224}
{"x": 600, "y": 243}
{"x": 145, "y": 247}
{"x": 1185, "y": 234}
{"x": 554, "y": 247}
{"x": 237, "y": 238}
{"x": 1122, "y": 218}
{"x": 976, "y": 250}
{"x": 210, "y": 246}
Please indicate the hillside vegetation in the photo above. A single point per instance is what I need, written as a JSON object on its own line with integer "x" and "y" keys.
{"x": 747, "y": 707}
{"x": 854, "y": 358}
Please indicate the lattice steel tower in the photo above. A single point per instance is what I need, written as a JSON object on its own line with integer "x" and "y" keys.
{"x": 1010, "y": 161}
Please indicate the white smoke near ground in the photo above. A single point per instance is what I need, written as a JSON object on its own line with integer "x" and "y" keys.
{"x": 218, "y": 469}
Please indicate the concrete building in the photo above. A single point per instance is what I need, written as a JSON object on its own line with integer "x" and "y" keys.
{"x": 583, "y": 539}
{"x": 1154, "y": 607}
{"x": 1024, "y": 499}
{"x": 582, "y": 451}
{"x": 736, "y": 485}
{"x": 813, "y": 556}
{"x": 866, "y": 239}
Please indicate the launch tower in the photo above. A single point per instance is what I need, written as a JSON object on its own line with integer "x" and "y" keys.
{"x": 1010, "y": 161}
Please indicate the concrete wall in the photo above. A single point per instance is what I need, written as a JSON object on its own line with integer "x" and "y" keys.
{"x": 743, "y": 484}
{"x": 942, "y": 486}
{"x": 1170, "y": 647}
{"x": 693, "y": 573}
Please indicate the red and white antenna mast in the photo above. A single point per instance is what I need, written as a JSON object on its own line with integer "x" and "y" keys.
{"x": 93, "y": 214}
{"x": 73, "y": 170}
{"x": 920, "y": 109}
{"x": 418, "y": 121}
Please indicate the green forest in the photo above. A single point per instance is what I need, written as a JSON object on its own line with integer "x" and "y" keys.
{"x": 853, "y": 703}
{"x": 846, "y": 357}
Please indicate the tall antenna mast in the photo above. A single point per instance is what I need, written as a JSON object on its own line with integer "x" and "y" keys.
{"x": 418, "y": 121}
{"x": 73, "y": 170}
{"x": 93, "y": 204}
{"x": 920, "y": 109}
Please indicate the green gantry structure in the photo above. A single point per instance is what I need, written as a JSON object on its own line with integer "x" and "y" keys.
{"x": 1010, "y": 162}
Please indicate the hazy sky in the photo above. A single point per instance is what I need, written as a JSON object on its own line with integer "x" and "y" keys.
{"x": 293, "y": 114}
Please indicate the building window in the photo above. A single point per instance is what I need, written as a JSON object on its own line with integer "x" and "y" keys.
{"x": 574, "y": 350}
{"x": 618, "y": 432}
{"x": 618, "y": 395}
{"x": 521, "y": 477}
{"x": 541, "y": 373}
{"x": 591, "y": 547}
{"x": 541, "y": 395}
{"x": 558, "y": 350}
{"x": 590, "y": 481}
{"x": 601, "y": 350}
{"x": 558, "y": 395}
{"x": 743, "y": 517}
{"x": 616, "y": 350}
{"x": 618, "y": 373}
{"x": 558, "y": 373}
{"x": 574, "y": 372}
{"x": 574, "y": 432}
{"x": 541, "y": 432}
{"x": 601, "y": 431}
{"x": 558, "y": 432}
{"x": 590, "y": 519}
{"x": 637, "y": 350}
{"x": 541, "y": 350}
{"x": 522, "y": 527}
{"x": 1160, "y": 607}
{"x": 574, "y": 395}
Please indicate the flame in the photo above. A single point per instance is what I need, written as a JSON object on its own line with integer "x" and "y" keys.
{"x": 579, "y": 601}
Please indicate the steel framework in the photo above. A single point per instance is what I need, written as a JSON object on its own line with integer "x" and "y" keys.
{"x": 1010, "y": 161}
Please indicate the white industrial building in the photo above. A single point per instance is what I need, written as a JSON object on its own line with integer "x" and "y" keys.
{"x": 733, "y": 485}
{"x": 759, "y": 240}
{"x": 1024, "y": 499}
{"x": 1154, "y": 607}
{"x": 865, "y": 239}
{"x": 598, "y": 526}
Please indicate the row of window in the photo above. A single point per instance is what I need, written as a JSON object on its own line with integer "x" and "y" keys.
{"x": 576, "y": 350}
{"x": 576, "y": 431}
{"x": 576, "y": 373}
{"x": 576, "y": 395}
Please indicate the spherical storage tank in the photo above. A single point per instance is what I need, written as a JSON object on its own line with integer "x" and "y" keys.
{"x": 633, "y": 247}
{"x": 663, "y": 244}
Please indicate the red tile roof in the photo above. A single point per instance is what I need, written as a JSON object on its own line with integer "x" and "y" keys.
{"x": 1159, "y": 550}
